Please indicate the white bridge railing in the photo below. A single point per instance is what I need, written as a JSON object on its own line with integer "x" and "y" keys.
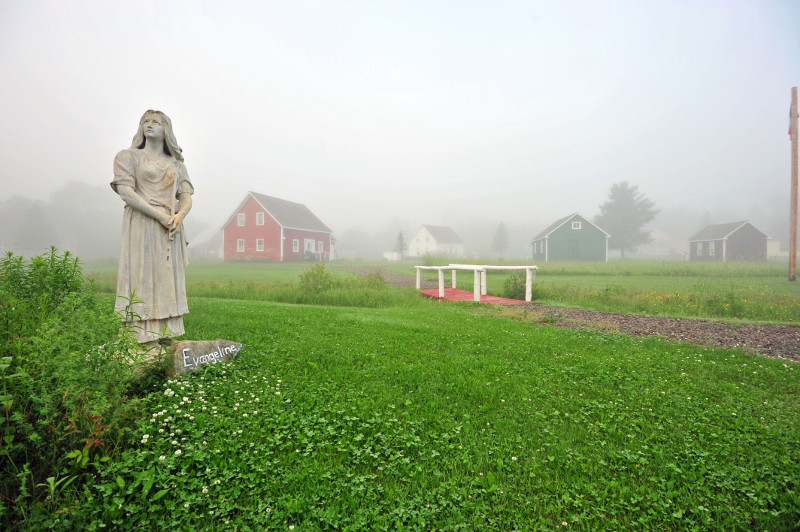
{"x": 479, "y": 277}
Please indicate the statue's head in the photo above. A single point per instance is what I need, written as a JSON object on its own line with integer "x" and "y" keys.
{"x": 170, "y": 144}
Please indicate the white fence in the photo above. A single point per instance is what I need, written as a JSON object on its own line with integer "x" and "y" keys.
{"x": 479, "y": 277}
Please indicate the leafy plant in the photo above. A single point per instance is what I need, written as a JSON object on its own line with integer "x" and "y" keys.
{"x": 316, "y": 279}
{"x": 65, "y": 385}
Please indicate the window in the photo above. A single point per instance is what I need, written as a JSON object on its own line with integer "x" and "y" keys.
{"x": 259, "y": 244}
{"x": 240, "y": 245}
{"x": 295, "y": 245}
{"x": 699, "y": 249}
{"x": 240, "y": 219}
{"x": 259, "y": 218}
{"x": 576, "y": 225}
{"x": 319, "y": 246}
{"x": 711, "y": 249}
{"x": 308, "y": 244}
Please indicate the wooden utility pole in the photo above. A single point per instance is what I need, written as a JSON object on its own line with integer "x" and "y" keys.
{"x": 793, "y": 207}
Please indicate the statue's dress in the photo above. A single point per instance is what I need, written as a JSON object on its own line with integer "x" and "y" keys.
{"x": 151, "y": 265}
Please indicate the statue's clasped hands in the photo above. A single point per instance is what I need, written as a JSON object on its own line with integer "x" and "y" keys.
{"x": 174, "y": 222}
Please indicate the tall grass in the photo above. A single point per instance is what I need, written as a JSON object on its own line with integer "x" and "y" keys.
{"x": 758, "y": 292}
{"x": 283, "y": 283}
{"x": 746, "y": 291}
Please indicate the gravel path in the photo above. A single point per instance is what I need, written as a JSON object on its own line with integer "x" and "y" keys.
{"x": 779, "y": 341}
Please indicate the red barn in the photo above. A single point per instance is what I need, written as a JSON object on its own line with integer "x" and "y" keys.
{"x": 267, "y": 228}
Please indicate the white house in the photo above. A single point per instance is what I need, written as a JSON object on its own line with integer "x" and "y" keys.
{"x": 435, "y": 240}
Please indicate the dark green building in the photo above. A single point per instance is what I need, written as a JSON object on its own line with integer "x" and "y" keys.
{"x": 572, "y": 238}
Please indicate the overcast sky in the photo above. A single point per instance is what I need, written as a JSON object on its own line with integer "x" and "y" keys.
{"x": 427, "y": 111}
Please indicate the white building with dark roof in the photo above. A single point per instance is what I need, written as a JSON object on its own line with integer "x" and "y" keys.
{"x": 435, "y": 240}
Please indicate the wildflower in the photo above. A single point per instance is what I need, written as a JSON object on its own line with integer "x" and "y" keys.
{"x": 178, "y": 452}
{"x": 162, "y": 457}
{"x": 205, "y": 489}
{"x": 513, "y": 458}
{"x": 216, "y": 481}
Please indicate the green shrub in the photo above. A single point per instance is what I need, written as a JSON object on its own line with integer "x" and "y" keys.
{"x": 514, "y": 287}
{"x": 30, "y": 292}
{"x": 66, "y": 377}
{"x": 316, "y": 279}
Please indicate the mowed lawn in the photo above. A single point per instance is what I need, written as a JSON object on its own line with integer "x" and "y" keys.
{"x": 428, "y": 415}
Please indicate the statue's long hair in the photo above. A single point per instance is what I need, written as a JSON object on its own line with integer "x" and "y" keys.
{"x": 170, "y": 144}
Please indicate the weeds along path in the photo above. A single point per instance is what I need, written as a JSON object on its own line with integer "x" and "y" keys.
{"x": 777, "y": 341}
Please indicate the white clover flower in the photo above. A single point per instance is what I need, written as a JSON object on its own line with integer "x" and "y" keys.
{"x": 205, "y": 489}
{"x": 178, "y": 452}
{"x": 162, "y": 457}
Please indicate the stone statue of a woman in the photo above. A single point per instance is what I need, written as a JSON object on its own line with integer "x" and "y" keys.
{"x": 152, "y": 180}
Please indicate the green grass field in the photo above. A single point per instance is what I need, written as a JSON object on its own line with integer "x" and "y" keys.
{"x": 440, "y": 416}
{"x": 383, "y": 410}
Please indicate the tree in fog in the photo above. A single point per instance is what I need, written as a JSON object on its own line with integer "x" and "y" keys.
{"x": 624, "y": 215}
{"x": 500, "y": 239}
{"x": 400, "y": 245}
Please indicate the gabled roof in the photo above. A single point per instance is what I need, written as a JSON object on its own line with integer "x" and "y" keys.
{"x": 558, "y": 223}
{"x": 443, "y": 234}
{"x": 721, "y": 231}
{"x": 288, "y": 214}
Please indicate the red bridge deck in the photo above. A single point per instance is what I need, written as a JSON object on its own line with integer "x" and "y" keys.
{"x": 456, "y": 294}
